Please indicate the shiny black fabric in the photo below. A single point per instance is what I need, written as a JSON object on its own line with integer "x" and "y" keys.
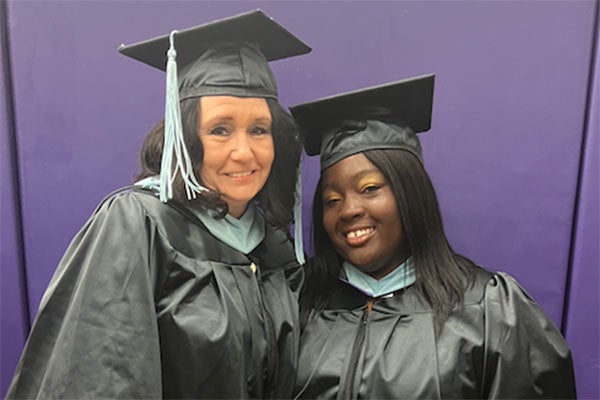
{"x": 146, "y": 303}
{"x": 228, "y": 69}
{"x": 226, "y": 57}
{"x": 340, "y": 143}
{"x": 498, "y": 345}
{"x": 405, "y": 103}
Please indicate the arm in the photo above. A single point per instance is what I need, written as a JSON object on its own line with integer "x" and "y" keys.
{"x": 95, "y": 334}
{"x": 525, "y": 355}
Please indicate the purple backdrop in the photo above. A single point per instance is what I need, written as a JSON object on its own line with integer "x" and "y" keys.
{"x": 504, "y": 149}
{"x": 13, "y": 321}
{"x": 583, "y": 314}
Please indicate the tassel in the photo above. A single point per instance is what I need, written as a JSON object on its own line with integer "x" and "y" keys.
{"x": 174, "y": 145}
{"x": 298, "y": 246}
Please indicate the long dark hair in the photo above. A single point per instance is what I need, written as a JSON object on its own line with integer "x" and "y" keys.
{"x": 276, "y": 198}
{"x": 442, "y": 275}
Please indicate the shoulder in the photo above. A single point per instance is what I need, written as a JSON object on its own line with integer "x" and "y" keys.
{"x": 476, "y": 289}
{"x": 502, "y": 287}
{"x": 131, "y": 211}
{"x": 132, "y": 202}
{"x": 518, "y": 333}
{"x": 126, "y": 197}
{"x": 119, "y": 217}
{"x": 494, "y": 286}
{"x": 507, "y": 303}
{"x": 121, "y": 206}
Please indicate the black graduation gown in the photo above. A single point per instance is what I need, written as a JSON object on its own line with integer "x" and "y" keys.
{"x": 498, "y": 345}
{"x": 146, "y": 303}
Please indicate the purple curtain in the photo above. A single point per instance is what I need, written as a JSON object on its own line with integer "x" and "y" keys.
{"x": 512, "y": 114}
{"x": 13, "y": 306}
{"x": 582, "y": 326}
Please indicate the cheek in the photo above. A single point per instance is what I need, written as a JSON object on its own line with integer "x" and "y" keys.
{"x": 396, "y": 234}
{"x": 210, "y": 152}
{"x": 329, "y": 223}
{"x": 212, "y": 162}
{"x": 207, "y": 178}
{"x": 386, "y": 212}
{"x": 267, "y": 153}
{"x": 209, "y": 163}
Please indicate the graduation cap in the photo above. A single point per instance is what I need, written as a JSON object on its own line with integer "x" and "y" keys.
{"x": 379, "y": 117}
{"x": 227, "y": 57}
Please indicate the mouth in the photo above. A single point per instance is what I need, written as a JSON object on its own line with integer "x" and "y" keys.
{"x": 240, "y": 175}
{"x": 357, "y": 237}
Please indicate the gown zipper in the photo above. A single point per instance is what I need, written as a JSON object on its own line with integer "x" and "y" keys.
{"x": 347, "y": 392}
{"x": 271, "y": 350}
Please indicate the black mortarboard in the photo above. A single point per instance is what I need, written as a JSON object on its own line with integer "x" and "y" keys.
{"x": 379, "y": 117}
{"x": 227, "y": 57}
{"x": 224, "y": 57}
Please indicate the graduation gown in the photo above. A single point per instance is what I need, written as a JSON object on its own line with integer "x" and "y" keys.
{"x": 147, "y": 303}
{"x": 499, "y": 344}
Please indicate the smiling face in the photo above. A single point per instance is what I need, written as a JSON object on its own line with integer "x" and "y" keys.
{"x": 360, "y": 216}
{"x": 238, "y": 148}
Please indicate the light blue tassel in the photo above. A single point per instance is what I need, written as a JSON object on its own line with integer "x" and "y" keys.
{"x": 298, "y": 246}
{"x": 173, "y": 137}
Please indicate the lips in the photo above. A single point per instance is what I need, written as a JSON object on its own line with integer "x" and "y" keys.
{"x": 241, "y": 178}
{"x": 241, "y": 174}
{"x": 358, "y": 236}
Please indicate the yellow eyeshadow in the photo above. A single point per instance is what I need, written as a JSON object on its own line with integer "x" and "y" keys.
{"x": 374, "y": 179}
{"x": 327, "y": 197}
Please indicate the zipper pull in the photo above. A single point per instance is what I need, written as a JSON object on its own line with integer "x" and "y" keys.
{"x": 368, "y": 309}
{"x": 370, "y": 303}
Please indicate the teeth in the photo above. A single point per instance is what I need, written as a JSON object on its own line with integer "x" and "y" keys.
{"x": 358, "y": 233}
{"x": 240, "y": 174}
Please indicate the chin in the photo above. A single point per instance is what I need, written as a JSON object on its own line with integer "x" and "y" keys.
{"x": 241, "y": 197}
{"x": 362, "y": 267}
{"x": 362, "y": 263}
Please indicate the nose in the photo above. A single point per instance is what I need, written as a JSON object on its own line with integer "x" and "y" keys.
{"x": 351, "y": 207}
{"x": 241, "y": 148}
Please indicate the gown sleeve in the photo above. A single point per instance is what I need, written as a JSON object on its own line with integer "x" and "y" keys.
{"x": 95, "y": 334}
{"x": 525, "y": 355}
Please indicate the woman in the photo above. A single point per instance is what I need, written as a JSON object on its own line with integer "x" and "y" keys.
{"x": 389, "y": 310}
{"x": 194, "y": 296}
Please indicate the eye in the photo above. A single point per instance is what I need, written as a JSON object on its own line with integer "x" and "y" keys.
{"x": 260, "y": 130}
{"x": 331, "y": 202}
{"x": 219, "y": 131}
{"x": 371, "y": 188}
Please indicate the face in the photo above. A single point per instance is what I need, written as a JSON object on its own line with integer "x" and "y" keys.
{"x": 238, "y": 148}
{"x": 360, "y": 216}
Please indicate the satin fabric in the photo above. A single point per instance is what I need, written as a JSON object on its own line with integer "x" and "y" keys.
{"x": 146, "y": 303}
{"x": 243, "y": 234}
{"x": 499, "y": 344}
{"x": 402, "y": 276}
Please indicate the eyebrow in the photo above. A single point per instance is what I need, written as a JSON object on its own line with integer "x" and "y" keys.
{"x": 214, "y": 120}
{"x": 220, "y": 119}
{"x": 264, "y": 119}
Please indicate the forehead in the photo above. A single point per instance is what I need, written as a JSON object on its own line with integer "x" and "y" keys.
{"x": 215, "y": 105}
{"x": 348, "y": 170}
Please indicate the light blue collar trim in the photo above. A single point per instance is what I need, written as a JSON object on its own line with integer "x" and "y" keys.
{"x": 243, "y": 234}
{"x": 401, "y": 277}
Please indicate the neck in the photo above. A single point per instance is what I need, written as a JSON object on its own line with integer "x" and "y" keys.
{"x": 236, "y": 210}
{"x": 383, "y": 272}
